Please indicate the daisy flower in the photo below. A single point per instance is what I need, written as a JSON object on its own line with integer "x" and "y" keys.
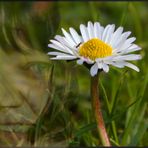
{"x": 96, "y": 46}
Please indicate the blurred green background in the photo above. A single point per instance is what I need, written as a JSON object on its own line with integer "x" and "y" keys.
{"x": 47, "y": 103}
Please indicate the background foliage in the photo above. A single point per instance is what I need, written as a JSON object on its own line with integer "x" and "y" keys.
{"x": 46, "y": 103}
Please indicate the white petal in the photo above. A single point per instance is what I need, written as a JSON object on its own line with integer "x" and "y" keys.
{"x": 88, "y": 61}
{"x": 116, "y": 35}
{"x": 130, "y": 40}
{"x": 119, "y": 64}
{"x": 132, "y": 66}
{"x": 134, "y": 46}
{"x": 121, "y": 40}
{"x": 105, "y": 32}
{"x": 129, "y": 57}
{"x": 101, "y": 32}
{"x": 127, "y": 43}
{"x": 56, "y": 43}
{"x": 55, "y": 47}
{"x": 75, "y": 35}
{"x": 131, "y": 49}
{"x": 84, "y": 32}
{"x": 68, "y": 37}
{"x": 94, "y": 70}
{"x": 105, "y": 67}
{"x": 66, "y": 44}
{"x": 64, "y": 41}
{"x": 100, "y": 65}
{"x": 109, "y": 34}
{"x": 58, "y": 48}
{"x": 80, "y": 61}
{"x": 64, "y": 58}
{"x": 57, "y": 53}
{"x": 90, "y": 29}
{"x": 97, "y": 29}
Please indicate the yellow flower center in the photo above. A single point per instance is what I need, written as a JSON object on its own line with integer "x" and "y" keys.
{"x": 95, "y": 48}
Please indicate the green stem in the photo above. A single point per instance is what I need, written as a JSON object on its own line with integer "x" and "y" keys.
{"x": 96, "y": 106}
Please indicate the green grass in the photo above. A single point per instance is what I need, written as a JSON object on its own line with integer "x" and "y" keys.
{"x": 45, "y": 102}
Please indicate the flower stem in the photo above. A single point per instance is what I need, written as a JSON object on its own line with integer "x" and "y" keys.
{"x": 96, "y": 106}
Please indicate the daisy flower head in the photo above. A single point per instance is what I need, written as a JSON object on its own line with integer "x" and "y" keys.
{"x": 96, "y": 46}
